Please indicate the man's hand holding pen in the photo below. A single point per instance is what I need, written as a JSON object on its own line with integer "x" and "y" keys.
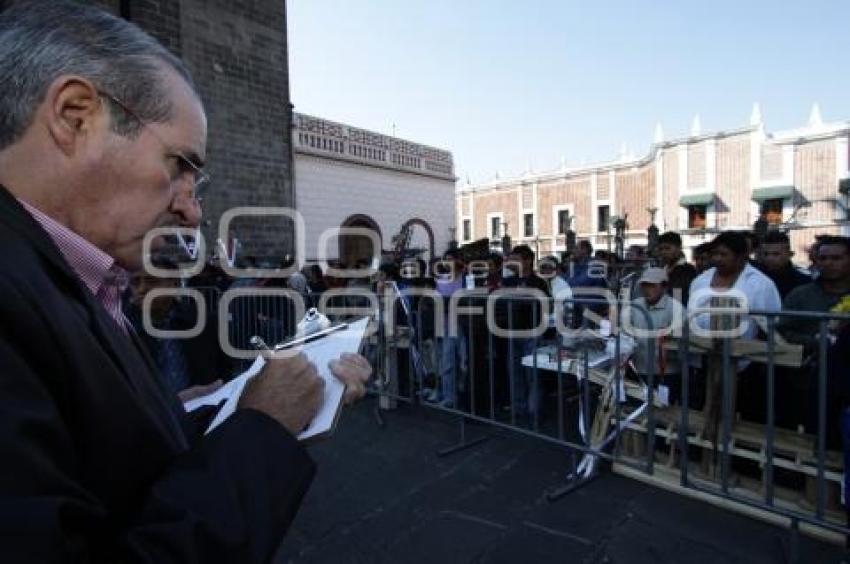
{"x": 290, "y": 390}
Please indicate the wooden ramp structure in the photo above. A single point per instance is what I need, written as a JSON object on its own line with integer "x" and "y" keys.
{"x": 791, "y": 455}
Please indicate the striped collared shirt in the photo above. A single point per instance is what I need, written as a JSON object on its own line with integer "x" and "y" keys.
{"x": 96, "y": 269}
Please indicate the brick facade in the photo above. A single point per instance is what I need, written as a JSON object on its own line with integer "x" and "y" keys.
{"x": 731, "y": 173}
{"x": 733, "y": 176}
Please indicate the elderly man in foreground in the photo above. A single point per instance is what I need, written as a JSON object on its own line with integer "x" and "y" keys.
{"x": 102, "y": 138}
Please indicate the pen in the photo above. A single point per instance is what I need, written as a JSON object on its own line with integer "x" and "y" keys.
{"x": 310, "y": 337}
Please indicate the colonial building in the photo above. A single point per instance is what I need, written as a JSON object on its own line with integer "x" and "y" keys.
{"x": 347, "y": 177}
{"x": 698, "y": 185}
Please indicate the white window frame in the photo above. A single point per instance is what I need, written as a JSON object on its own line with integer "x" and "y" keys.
{"x": 533, "y": 224}
{"x": 555, "y": 211}
{"x": 710, "y": 218}
{"x": 557, "y": 245}
{"x": 471, "y": 229}
{"x": 787, "y": 208}
{"x": 490, "y": 216}
{"x": 596, "y": 230}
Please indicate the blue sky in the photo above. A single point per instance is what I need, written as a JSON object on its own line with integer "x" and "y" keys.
{"x": 506, "y": 84}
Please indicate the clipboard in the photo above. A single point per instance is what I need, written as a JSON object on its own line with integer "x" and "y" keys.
{"x": 321, "y": 347}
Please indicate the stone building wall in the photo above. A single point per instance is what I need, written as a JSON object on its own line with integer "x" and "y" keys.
{"x": 351, "y": 177}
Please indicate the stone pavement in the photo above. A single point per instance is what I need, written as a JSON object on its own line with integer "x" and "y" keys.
{"x": 382, "y": 495}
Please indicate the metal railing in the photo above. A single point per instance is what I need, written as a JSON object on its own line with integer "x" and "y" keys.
{"x": 544, "y": 385}
{"x": 675, "y": 408}
{"x": 593, "y": 402}
{"x": 809, "y": 363}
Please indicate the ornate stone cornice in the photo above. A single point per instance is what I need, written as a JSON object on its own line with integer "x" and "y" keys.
{"x": 330, "y": 139}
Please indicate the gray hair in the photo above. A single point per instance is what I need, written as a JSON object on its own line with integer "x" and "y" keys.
{"x": 43, "y": 40}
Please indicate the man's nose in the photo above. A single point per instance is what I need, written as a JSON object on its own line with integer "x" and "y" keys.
{"x": 188, "y": 208}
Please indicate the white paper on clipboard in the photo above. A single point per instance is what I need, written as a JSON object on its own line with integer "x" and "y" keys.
{"x": 320, "y": 352}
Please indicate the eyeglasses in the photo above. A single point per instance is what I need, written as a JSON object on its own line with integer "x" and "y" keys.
{"x": 200, "y": 179}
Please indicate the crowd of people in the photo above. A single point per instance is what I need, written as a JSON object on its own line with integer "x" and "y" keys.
{"x": 758, "y": 274}
{"x": 475, "y": 370}
{"x": 647, "y": 288}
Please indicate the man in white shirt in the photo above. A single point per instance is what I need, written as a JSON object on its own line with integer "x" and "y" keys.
{"x": 733, "y": 281}
{"x": 732, "y": 276}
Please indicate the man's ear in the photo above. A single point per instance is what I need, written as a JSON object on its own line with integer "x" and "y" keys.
{"x": 73, "y": 108}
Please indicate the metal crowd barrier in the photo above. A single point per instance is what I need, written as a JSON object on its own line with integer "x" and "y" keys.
{"x": 606, "y": 412}
{"x": 250, "y": 313}
{"x": 504, "y": 372}
{"x": 793, "y": 455}
{"x": 571, "y": 383}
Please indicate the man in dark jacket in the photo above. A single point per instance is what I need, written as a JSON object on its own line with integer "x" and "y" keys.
{"x": 775, "y": 260}
{"x": 102, "y": 138}
{"x": 680, "y": 273}
{"x": 523, "y": 313}
{"x": 820, "y": 295}
{"x": 587, "y": 279}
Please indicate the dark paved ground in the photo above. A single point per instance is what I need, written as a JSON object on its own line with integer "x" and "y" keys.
{"x": 382, "y": 495}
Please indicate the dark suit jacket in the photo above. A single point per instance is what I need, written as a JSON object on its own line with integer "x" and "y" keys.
{"x": 95, "y": 464}
{"x": 679, "y": 281}
{"x": 525, "y": 313}
{"x": 206, "y": 362}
